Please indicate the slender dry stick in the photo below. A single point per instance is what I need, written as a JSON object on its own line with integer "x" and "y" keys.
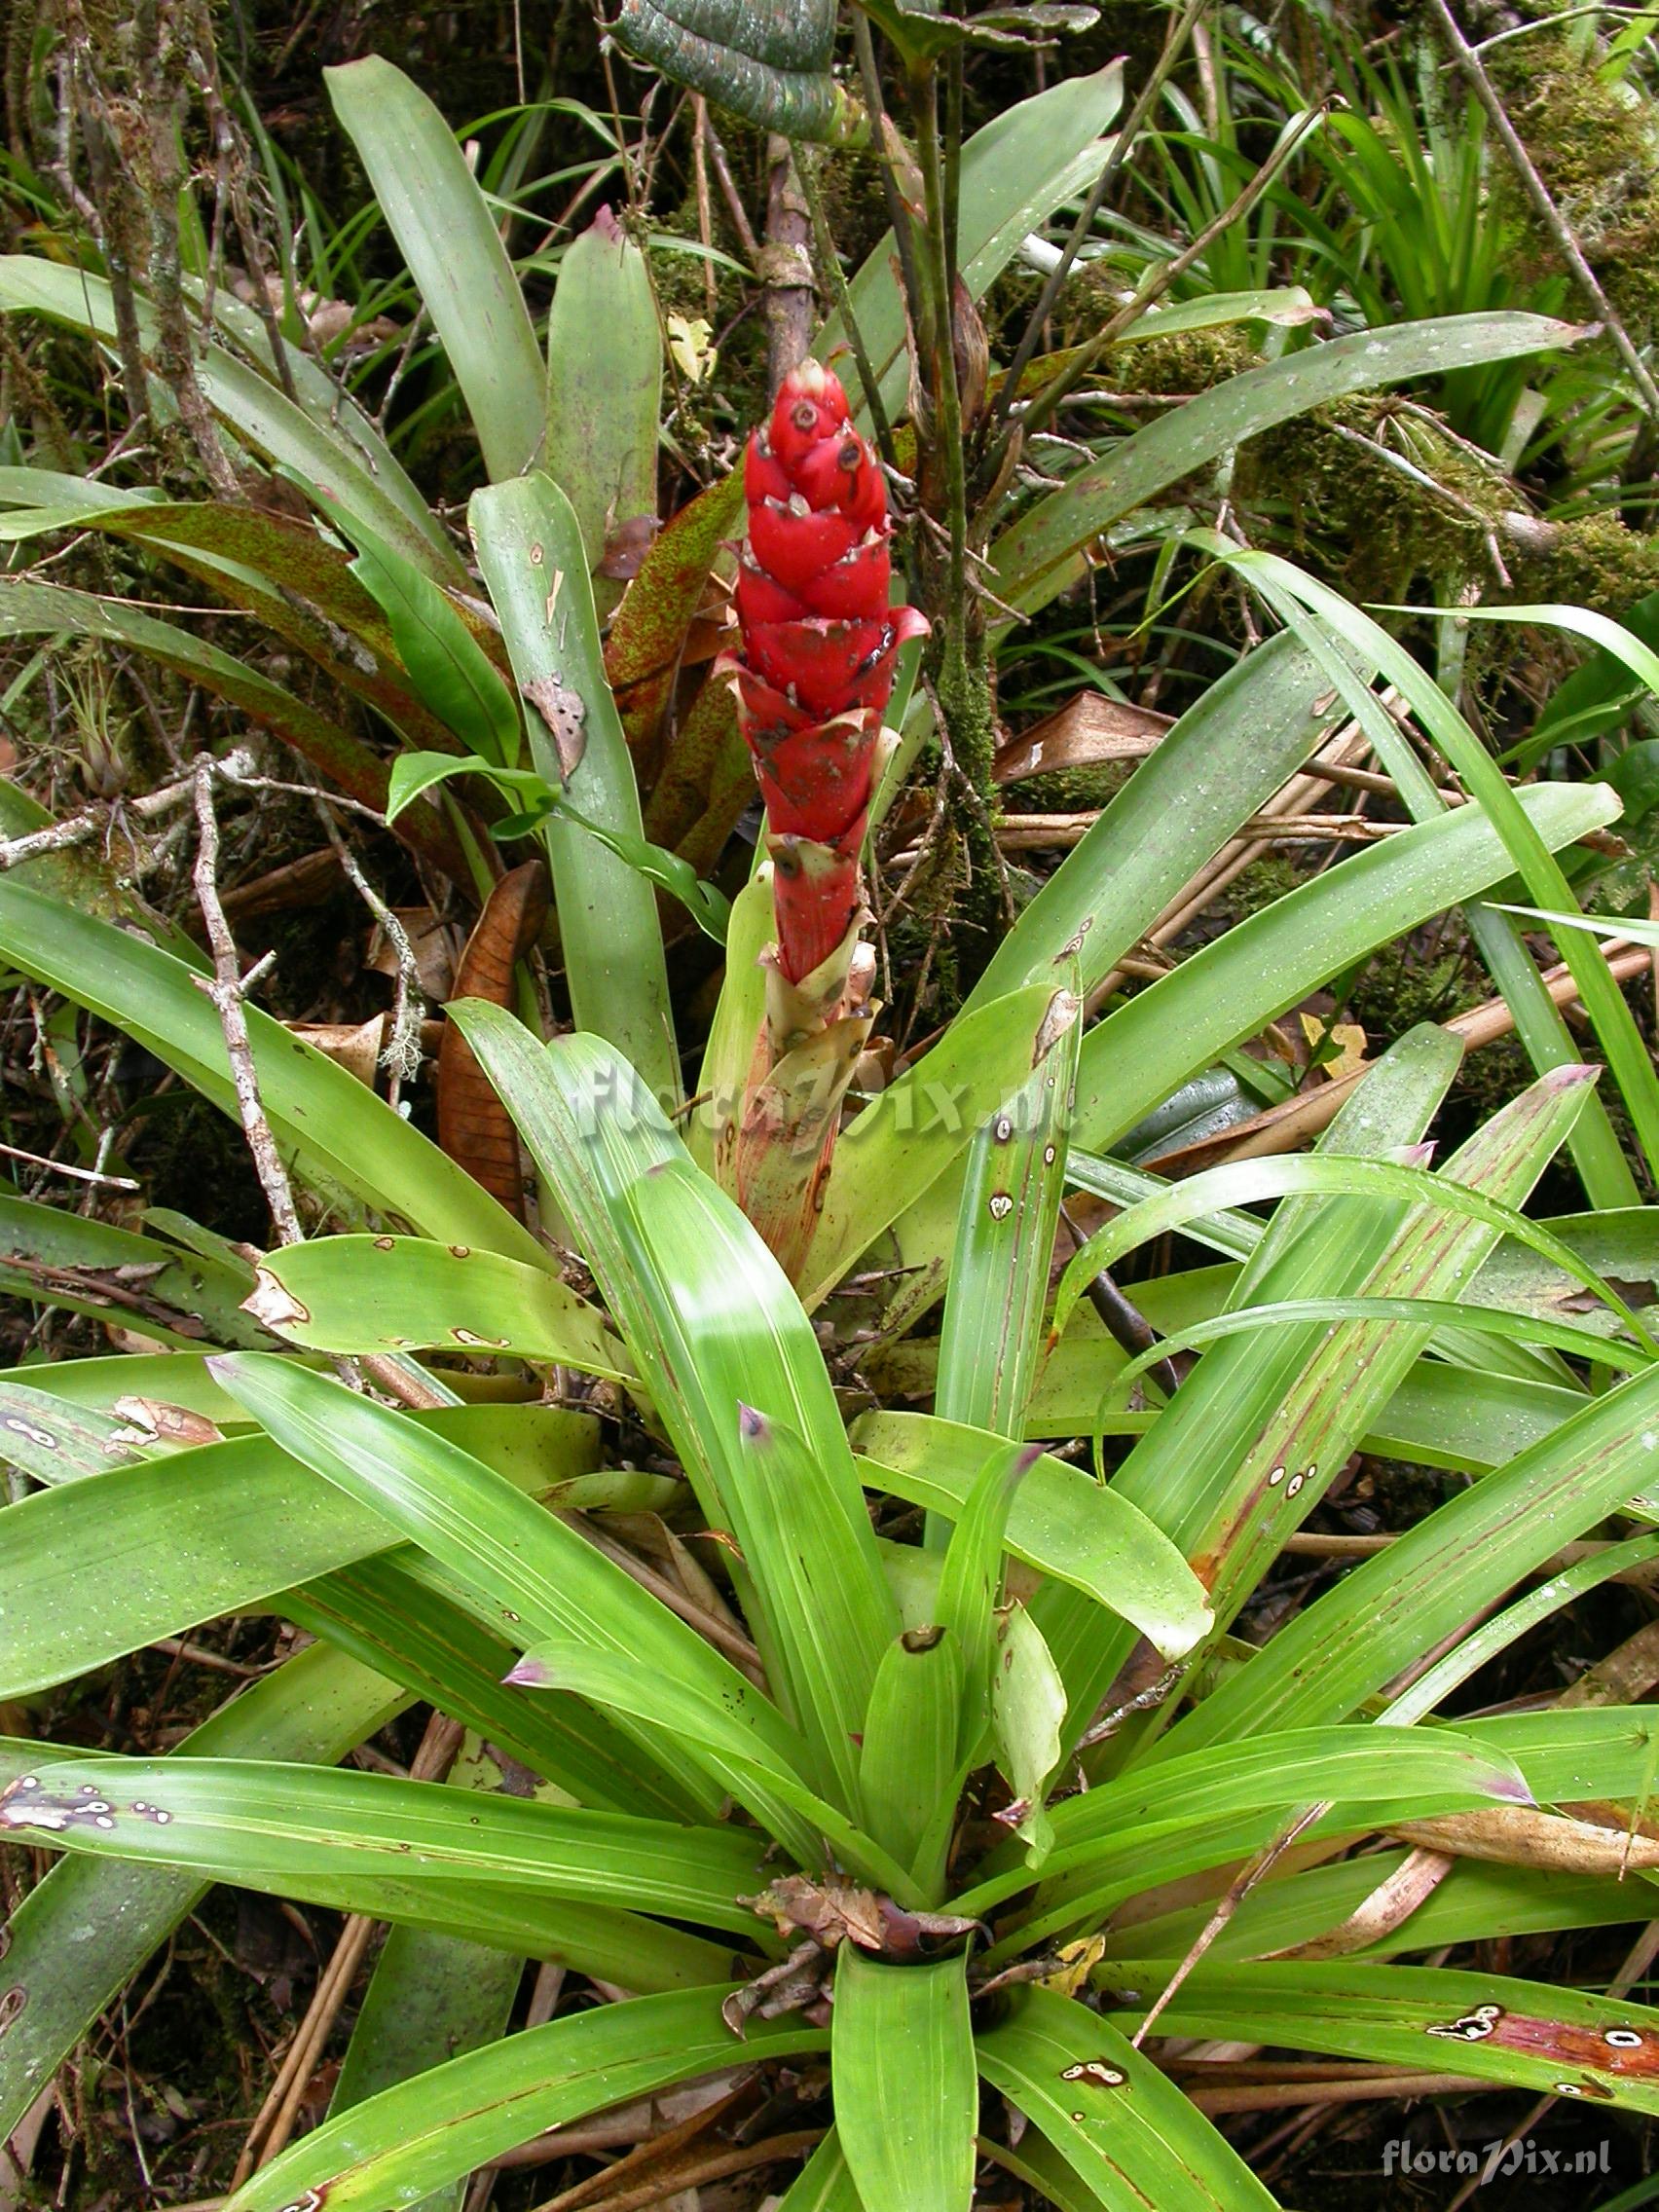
{"x": 62, "y": 1167}
{"x": 1543, "y": 199}
{"x": 705, "y": 205}
{"x": 1122, "y": 145}
{"x": 1047, "y": 403}
{"x": 1260, "y": 1866}
{"x": 733, "y": 199}
{"x": 227, "y": 992}
{"x": 81, "y": 829}
{"x": 400, "y": 1055}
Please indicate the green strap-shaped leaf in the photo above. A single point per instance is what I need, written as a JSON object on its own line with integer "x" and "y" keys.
{"x": 969, "y": 1583}
{"x": 1145, "y": 1050}
{"x": 446, "y": 232}
{"x": 426, "y": 2132}
{"x": 1443, "y": 1573}
{"x": 71, "y": 1261}
{"x": 824, "y": 2184}
{"x": 906, "y": 2095}
{"x": 251, "y": 1819}
{"x": 744, "y": 1391}
{"x": 1192, "y": 1810}
{"x": 1061, "y": 1522}
{"x": 1044, "y": 551}
{"x": 357, "y": 1294}
{"x": 324, "y": 439}
{"x": 1216, "y": 767}
{"x": 514, "y": 1554}
{"x": 1121, "y": 2124}
{"x": 453, "y": 675}
{"x": 1530, "y": 2035}
{"x": 33, "y": 610}
{"x": 992, "y": 1330}
{"x": 688, "y": 1712}
{"x": 390, "y": 1616}
{"x": 1246, "y": 1455}
{"x": 175, "y": 1540}
{"x": 603, "y": 389}
{"x": 430, "y": 1998}
{"x": 81, "y": 1935}
{"x": 911, "y": 1769}
{"x": 914, "y": 1133}
{"x": 529, "y": 549}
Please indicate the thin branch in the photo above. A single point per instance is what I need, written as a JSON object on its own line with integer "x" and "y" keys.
{"x": 82, "y": 829}
{"x": 400, "y": 1055}
{"x": 1151, "y": 287}
{"x": 1122, "y": 145}
{"x": 1539, "y": 192}
{"x": 227, "y": 992}
{"x": 62, "y": 1167}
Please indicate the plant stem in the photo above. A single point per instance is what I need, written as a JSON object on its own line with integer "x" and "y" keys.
{"x": 836, "y": 277}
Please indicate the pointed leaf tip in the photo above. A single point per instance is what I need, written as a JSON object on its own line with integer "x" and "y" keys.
{"x": 754, "y": 1428}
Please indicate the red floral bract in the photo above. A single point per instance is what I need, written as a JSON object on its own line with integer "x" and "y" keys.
{"x": 819, "y": 641}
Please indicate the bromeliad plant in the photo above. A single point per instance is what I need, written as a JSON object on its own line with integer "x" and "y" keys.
{"x": 819, "y": 1789}
{"x": 823, "y": 1796}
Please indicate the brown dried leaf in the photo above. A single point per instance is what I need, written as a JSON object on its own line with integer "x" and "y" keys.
{"x": 1393, "y": 1901}
{"x": 1088, "y": 731}
{"x": 565, "y": 712}
{"x": 1518, "y": 1835}
{"x": 354, "y": 1046}
{"x": 474, "y": 1127}
{"x": 830, "y": 1911}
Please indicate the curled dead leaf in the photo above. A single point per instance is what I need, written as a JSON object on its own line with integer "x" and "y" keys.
{"x": 474, "y": 1127}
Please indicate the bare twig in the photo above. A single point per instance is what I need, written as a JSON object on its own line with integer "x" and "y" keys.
{"x": 1258, "y": 1870}
{"x": 729, "y": 193}
{"x": 62, "y": 1167}
{"x": 400, "y": 1055}
{"x": 1122, "y": 145}
{"x": 1543, "y": 199}
{"x": 227, "y": 991}
{"x": 82, "y": 829}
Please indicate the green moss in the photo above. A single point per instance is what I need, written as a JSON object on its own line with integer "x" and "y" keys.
{"x": 1067, "y": 791}
{"x": 1259, "y": 885}
{"x": 1193, "y": 361}
{"x": 1597, "y": 148}
{"x": 1359, "y": 514}
{"x": 1596, "y": 561}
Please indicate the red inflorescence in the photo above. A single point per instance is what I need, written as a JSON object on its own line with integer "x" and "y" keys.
{"x": 819, "y": 640}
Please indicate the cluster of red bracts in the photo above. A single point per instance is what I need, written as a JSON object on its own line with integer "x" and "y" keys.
{"x": 816, "y": 664}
